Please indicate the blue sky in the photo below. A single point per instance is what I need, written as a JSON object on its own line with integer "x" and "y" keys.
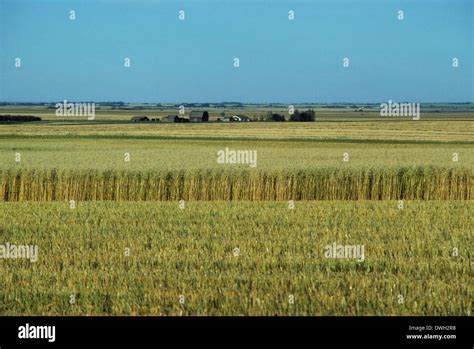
{"x": 280, "y": 60}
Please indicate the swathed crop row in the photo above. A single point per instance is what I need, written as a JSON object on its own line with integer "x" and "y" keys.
{"x": 415, "y": 183}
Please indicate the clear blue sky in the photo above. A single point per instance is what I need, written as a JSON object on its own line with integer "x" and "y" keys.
{"x": 281, "y": 60}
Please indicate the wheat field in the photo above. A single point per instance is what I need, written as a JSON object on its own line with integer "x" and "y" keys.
{"x": 416, "y": 183}
{"x": 183, "y": 261}
{"x": 172, "y": 232}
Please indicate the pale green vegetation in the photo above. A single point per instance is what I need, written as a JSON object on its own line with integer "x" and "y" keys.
{"x": 191, "y": 252}
{"x": 188, "y": 154}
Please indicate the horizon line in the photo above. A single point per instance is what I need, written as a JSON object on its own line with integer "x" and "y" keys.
{"x": 229, "y": 102}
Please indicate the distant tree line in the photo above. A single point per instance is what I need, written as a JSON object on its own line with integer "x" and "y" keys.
{"x": 18, "y": 118}
{"x": 304, "y": 116}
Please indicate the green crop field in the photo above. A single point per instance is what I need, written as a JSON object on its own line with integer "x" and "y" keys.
{"x": 142, "y": 219}
{"x": 223, "y": 258}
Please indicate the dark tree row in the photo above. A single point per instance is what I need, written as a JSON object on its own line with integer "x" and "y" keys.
{"x": 18, "y": 118}
{"x": 305, "y": 116}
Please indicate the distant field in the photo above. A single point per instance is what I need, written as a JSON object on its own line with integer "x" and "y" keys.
{"x": 383, "y": 149}
{"x": 168, "y": 154}
{"x": 107, "y": 114}
{"x": 336, "y": 126}
{"x": 408, "y": 266}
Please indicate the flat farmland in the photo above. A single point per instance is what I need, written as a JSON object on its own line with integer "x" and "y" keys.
{"x": 221, "y": 258}
{"x": 171, "y": 231}
{"x": 101, "y": 145}
{"x": 355, "y": 129}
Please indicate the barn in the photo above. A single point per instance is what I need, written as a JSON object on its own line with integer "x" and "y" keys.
{"x": 173, "y": 118}
{"x": 199, "y": 116}
{"x": 170, "y": 118}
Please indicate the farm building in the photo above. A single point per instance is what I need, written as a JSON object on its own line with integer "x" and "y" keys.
{"x": 199, "y": 116}
{"x": 181, "y": 120}
{"x": 169, "y": 118}
{"x": 173, "y": 118}
{"x": 140, "y": 119}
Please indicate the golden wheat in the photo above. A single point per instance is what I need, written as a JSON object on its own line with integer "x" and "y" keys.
{"x": 410, "y": 183}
